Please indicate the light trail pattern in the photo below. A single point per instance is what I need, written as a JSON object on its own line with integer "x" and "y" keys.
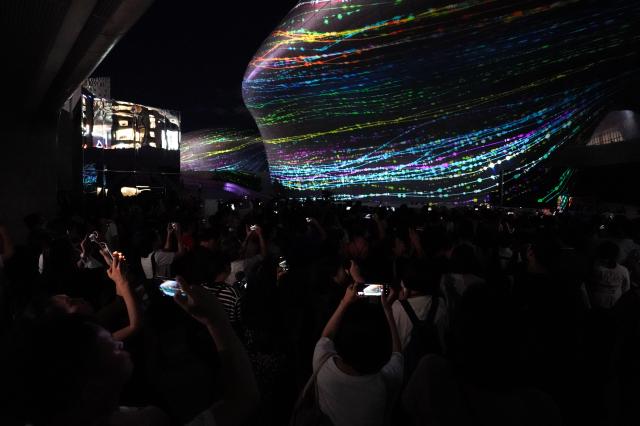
{"x": 215, "y": 150}
{"x": 432, "y": 100}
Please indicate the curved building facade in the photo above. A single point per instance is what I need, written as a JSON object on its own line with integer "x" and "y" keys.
{"x": 434, "y": 100}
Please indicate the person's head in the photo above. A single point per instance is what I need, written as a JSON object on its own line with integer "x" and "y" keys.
{"x": 68, "y": 371}
{"x": 358, "y": 247}
{"x": 220, "y": 268}
{"x": 336, "y": 268}
{"x": 399, "y": 245}
{"x": 61, "y": 303}
{"x": 542, "y": 253}
{"x": 607, "y": 253}
{"x": 209, "y": 238}
{"x": 463, "y": 259}
{"x": 363, "y": 338}
{"x": 419, "y": 276}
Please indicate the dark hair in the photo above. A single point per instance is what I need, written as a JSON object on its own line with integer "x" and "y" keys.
{"x": 363, "y": 339}
{"x": 220, "y": 263}
{"x": 608, "y": 251}
{"x": 208, "y": 234}
{"x": 420, "y": 275}
{"x": 546, "y": 250}
{"x": 463, "y": 259}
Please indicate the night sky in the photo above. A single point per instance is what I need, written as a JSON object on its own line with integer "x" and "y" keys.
{"x": 191, "y": 57}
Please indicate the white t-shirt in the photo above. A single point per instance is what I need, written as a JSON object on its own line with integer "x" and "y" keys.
{"x": 147, "y": 266}
{"x": 608, "y": 284}
{"x": 164, "y": 259}
{"x": 355, "y": 400}
{"x": 421, "y": 306}
{"x": 459, "y": 282}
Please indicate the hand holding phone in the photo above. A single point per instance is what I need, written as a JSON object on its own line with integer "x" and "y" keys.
{"x": 170, "y": 288}
{"x": 283, "y": 265}
{"x": 104, "y": 248}
{"x": 372, "y": 290}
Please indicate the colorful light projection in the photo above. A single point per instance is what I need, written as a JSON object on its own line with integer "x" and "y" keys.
{"x": 432, "y": 100}
{"x": 223, "y": 150}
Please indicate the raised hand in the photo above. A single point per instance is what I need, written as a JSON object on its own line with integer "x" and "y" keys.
{"x": 354, "y": 272}
{"x": 117, "y": 273}
{"x": 350, "y": 294}
{"x": 199, "y": 303}
{"x": 388, "y": 299}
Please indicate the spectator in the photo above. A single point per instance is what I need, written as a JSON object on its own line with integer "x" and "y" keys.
{"x": 609, "y": 279}
{"x": 79, "y": 383}
{"x": 359, "y": 363}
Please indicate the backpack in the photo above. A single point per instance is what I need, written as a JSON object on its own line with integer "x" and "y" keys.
{"x": 424, "y": 336}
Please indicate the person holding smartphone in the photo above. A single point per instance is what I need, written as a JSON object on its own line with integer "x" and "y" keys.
{"x": 68, "y": 370}
{"x": 358, "y": 361}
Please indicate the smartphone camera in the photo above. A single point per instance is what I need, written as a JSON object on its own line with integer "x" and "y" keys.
{"x": 283, "y": 265}
{"x": 372, "y": 290}
{"x": 170, "y": 288}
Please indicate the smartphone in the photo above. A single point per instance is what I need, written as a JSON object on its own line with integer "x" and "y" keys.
{"x": 233, "y": 207}
{"x": 170, "y": 288}
{"x": 367, "y": 290}
{"x": 94, "y": 238}
{"x": 308, "y": 219}
{"x": 283, "y": 265}
{"x": 367, "y": 216}
{"x": 253, "y": 227}
{"x": 348, "y": 208}
{"x": 174, "y": 225}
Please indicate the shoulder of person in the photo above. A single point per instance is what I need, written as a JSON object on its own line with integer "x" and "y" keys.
{"x": 139, "y": 416}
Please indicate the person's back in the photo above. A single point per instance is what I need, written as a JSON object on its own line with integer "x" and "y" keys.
{"x": 354, "y": 399}
{"x": 609, "y": 280}
{"x": 358, "y": 371}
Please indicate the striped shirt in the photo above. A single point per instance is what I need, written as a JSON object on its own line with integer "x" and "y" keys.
{"x": 231, "y": 297}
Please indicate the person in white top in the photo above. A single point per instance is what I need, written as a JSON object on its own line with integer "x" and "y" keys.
{"x": 158, "y": 262}
{"x": 609, "y": 279}
{"x": 419, "y": 283}
{"x": 363, "y": 371}
{"x": 252, "y": 253}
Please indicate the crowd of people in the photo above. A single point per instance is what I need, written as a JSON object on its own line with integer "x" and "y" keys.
{"x": 315, "y": 312}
